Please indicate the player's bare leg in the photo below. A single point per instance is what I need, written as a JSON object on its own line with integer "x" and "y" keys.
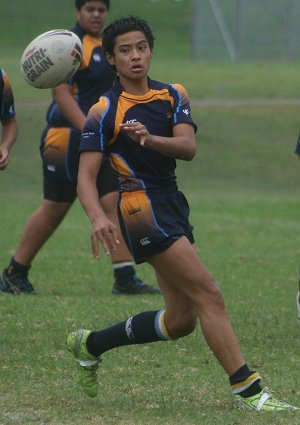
{"x": 180, "y": 268}
{"x": 40, "y": 226}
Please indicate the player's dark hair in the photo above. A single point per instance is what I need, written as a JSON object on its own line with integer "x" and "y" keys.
{"x": 123, "y": 26}
{"x": 80, "y": 3}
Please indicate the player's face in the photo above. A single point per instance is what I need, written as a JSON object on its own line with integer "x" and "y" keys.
{"x": 132, "y": 56}
{"x": 92, "y": 17}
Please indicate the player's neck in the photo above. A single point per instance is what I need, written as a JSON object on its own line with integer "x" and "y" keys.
{"x": 135, "y": 87}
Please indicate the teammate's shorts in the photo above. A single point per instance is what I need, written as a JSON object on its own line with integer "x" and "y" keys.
{"x": 151, "y": 222}
{"x": 60, "y": 157}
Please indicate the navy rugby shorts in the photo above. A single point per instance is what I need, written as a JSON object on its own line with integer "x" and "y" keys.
{"x": 152, "y": 221}
{"x": 60, "y": 157}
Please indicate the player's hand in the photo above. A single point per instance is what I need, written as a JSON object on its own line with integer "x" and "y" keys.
{"x": 3, "y": 158}
{"x": 105, "y": 231}
{"x": 137, "y": 132}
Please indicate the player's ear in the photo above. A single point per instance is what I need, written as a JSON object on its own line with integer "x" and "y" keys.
{"x": 110, "y": 59}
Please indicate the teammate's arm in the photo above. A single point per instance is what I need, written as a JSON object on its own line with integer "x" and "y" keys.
{"x": 9, "y": 136}
{"x": 103, "y": 229}
{"x": 181, "y": 146}
{"x": 66, "y": 102}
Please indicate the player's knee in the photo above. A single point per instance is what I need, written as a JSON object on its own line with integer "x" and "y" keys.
{"x": 55, "y": 211}
{"x": 182, "y": 325}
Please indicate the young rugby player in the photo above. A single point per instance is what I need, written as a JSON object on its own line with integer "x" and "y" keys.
{"x": 144, "y": 126}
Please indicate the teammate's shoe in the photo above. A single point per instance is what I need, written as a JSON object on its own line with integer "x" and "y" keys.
{"x": 262, "y": 401}
{"x": 134, "y": 286}
{"x": 87, "y": 364}
{"x": 17, "y": 283}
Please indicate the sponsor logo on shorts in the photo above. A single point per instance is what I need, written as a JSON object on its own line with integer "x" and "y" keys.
{"x": 145, "y": 241}
{"x": 186, "y": 111}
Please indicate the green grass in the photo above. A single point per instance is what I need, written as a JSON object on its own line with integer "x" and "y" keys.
{"x": 243, "y": 188}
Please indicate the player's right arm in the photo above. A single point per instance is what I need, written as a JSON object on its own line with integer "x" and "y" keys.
{"x": 103, "y": 229}
{"x": 66, "y": 102}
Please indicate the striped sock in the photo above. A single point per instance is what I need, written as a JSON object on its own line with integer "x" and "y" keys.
{"x": 140, "y": 329}
{"x": 245, "y": 382}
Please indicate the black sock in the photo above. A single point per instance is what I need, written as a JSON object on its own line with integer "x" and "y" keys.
{"x": 16, "y": 268}
{"x": 140, "y": 329}
{"x": 245, "y": 382}
{"x": 123, "y": 272}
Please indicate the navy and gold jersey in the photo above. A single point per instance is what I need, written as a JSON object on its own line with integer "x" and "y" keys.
{"x": 7, "y": 109}
{"x": 160, "y": 109}
{"x": 93, "y": 78}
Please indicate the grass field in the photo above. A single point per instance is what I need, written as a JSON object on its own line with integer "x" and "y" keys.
{"x": 243, "y": 189}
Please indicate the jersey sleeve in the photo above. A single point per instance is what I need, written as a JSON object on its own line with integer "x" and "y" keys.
{"x": 182, "y": 109}
{"x": 7, "y": 108}
{"x": 97, "y": 129}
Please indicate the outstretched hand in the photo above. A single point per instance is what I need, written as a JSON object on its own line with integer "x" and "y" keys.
{"x": 137, "y": 132}
{"x": 3, "y": 158}
{"x": 105, "y": 231}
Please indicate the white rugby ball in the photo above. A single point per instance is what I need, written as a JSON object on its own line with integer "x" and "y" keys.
{"x": 51, "y": 58}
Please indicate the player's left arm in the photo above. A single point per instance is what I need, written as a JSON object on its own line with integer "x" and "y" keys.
{"x": 9, "y": 136}
{"x": 182, "y": 145}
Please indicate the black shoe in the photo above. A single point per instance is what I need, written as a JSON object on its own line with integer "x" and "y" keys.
{"x": 16, "y": 283}
{"x": 134, "y": 286}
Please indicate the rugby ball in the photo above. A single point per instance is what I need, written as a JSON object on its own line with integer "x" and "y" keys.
{"x": 51, "y": 58}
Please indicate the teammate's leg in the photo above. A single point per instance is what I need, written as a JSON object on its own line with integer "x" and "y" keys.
{"x": 38, "y": 229}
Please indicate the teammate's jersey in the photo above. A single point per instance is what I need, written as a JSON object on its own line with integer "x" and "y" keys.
{"x": 160, "y": 109}
{"x": 7, "y": 108}
{"x": 93, "y": 78}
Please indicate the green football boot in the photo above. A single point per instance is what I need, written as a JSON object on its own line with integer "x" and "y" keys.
{"x": 87, "y": 364}
{"x": 264, "y": 401}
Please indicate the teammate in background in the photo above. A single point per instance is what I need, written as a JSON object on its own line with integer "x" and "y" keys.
{"x": 59, "y": 151}
{"x": 144, "y": 126}
{"x": 7, "y": 118}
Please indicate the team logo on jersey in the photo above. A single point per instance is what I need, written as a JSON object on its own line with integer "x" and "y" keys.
{"x": 186, "y": 111}
{"x": 97, "y": 57}
{"x": 131, "y": 121}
